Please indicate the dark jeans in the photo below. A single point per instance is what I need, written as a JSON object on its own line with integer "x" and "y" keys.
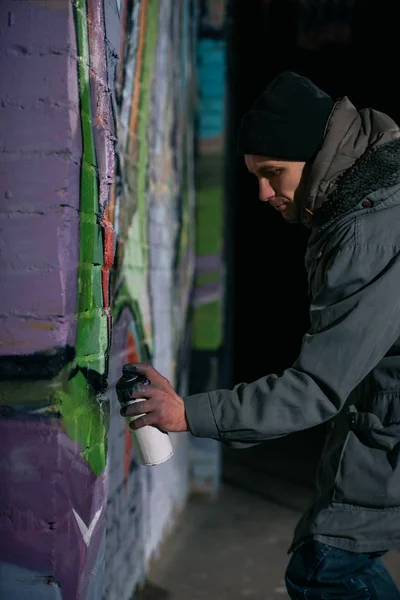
{"x": 320, "y": 572}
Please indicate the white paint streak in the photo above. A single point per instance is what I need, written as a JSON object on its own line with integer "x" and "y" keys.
{"x": 87, "y": 532}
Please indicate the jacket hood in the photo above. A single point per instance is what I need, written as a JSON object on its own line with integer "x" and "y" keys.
{"x": 357, "y": 152}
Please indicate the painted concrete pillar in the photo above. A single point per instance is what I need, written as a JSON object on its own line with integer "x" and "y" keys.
{"x": 96, "y": 267}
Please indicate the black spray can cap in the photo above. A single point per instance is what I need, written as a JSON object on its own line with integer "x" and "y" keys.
{"x": 130, "y": 373}
{"x": 129, "y": 370}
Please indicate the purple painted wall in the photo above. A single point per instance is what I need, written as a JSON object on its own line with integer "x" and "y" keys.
{"x": 52, "y": 426}
{"x": 96, "y": 267}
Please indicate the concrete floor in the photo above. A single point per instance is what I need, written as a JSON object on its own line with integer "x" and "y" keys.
{"x": 231, "y": 549}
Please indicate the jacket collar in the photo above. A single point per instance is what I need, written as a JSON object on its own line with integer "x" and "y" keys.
{"x": 349, "y": 155}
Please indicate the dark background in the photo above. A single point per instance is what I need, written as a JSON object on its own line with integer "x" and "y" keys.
{"x": 347, "y": 48}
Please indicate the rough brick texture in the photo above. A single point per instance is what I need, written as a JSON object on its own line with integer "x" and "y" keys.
{"x": 96, "y": 268}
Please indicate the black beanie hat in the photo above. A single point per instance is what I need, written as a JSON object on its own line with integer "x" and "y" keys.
{"x": 287, "y": 121}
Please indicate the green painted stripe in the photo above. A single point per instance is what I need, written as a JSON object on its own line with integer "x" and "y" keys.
{"x": 207, "y": 326}
{"x": 83, "y": 415}
{"x": 211, "y": 277}
{"x": 207, "y": 319}
{"x": 84, "y": 421}
{"x": 92, "y": 324}
{"x": 209, "y": 217}
{"x": 150, "y": 46}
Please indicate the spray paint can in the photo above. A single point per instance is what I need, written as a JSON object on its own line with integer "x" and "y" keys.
{"x": 152, "y": 445}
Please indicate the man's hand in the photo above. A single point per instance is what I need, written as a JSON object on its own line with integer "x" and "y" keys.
{"x": 162, "y": 405}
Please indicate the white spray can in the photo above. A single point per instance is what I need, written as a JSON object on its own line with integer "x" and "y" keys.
{"x": 152, "y": 445}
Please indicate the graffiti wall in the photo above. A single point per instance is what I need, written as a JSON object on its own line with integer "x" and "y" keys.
{"x": 96, "y": 220}
{"x": 152, "y": 209}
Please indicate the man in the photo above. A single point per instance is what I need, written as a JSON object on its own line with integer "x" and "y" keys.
{"x": 337, "y": 170}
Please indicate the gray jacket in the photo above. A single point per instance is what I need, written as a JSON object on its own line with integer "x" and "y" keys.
{"x": 348, "y": 369}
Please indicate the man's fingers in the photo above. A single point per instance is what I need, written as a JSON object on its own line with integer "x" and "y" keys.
{"x": 137, "y": 408}
{"x": 147, "y": 370}
{"x": 143, "y": 391}
{"x": 147, "y": 419}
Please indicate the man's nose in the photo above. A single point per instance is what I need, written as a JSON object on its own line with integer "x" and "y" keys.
{"x": 266, "y": 192}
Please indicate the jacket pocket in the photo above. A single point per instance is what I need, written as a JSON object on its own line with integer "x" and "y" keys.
{"x": 369, "y": 468}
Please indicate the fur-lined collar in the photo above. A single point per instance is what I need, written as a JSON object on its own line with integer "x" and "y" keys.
{"x": 359, "y": 155}
{"x": 377, "y": 168}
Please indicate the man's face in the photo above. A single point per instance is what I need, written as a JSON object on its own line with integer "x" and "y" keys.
{"x": 278, "y": 182}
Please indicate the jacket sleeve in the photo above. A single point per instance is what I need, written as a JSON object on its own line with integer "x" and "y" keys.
{"x": 355, "y": 319}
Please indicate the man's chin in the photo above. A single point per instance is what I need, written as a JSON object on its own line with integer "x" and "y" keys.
{"x": 291, "y": 218}
{"x": 289, "y": 212}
